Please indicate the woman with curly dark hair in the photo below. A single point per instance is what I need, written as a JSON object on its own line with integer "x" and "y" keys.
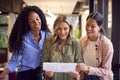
{"x": 25, "y": 43}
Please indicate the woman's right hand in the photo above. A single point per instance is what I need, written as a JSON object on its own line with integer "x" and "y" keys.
{"x": 4, "y": 73}
{"x": 2, "y": 76}
{"x": 49, "y": 73}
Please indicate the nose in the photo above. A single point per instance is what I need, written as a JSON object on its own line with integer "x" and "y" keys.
{"x": 35, "y": 21}
{"x": 88, "y": 27}
{"x": 62, "y": 31}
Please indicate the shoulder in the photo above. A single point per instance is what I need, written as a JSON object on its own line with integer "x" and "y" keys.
{"x": 82, "y": 40}
{"x": 48, "y": 40}
{"x": 76, "y": 42}
{"x": 106, "y": 44}
{"x": 47, "y": 34}
{"x": 106, "y": 41}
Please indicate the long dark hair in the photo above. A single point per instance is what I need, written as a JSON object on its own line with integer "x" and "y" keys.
{"x": 99, "y": 19}
{"x": 21, "y": 27}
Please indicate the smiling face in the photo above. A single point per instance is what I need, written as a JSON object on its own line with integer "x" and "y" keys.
{"x": 92, "y": 28}
{"x": 63, "y": 31}
{"x": 34, "y": 21}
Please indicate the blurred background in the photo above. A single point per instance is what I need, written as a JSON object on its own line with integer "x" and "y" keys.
{"x": 76, "y": 11}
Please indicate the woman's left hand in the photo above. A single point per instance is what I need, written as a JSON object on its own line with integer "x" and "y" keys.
{"x": 49, "y": 73}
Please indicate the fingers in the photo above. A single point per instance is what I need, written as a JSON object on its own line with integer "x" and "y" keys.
{"x": 49, "y": 73}
{"x": 2, "y": 76}
{"x": 80, "y": 67}
{"x": 73, "y": 74}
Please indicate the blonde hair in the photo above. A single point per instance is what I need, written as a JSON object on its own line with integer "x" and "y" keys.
{"x": 54, "y": 37}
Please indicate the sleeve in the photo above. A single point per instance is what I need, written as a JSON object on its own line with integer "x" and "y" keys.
{"x": 107, "y": 55}
{"x": 46, "y": 52}
{"x": 78, "y": 52}
{"x": 13, "y": 62}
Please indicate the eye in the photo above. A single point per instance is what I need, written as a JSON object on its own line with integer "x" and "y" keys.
{"x": 30, "y": 21}
{"x": 59, "y": 29}
{"x": 92, "y": 26}
{"x": 65, "y": 28}
{"x": 38, "y": 19}
{"x": 87, "y": 25}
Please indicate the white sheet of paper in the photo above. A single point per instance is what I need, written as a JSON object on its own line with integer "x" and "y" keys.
{"x": 59, "y": 67}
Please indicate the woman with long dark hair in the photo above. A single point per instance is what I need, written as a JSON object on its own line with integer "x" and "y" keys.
{"x": 25, "y": 43}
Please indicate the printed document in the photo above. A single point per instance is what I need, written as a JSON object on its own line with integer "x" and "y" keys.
{"x": 59, "y": 67}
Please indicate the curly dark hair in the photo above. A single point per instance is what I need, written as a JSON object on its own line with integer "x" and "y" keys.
{"x": 21, "y": 27}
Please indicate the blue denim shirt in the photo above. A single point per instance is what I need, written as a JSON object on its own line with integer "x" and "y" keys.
{"x": 31, "y": 54}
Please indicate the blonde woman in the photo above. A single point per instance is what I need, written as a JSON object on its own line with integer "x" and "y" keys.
{"x": 61, "y": 47}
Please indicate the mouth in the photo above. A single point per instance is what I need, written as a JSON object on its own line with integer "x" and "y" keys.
{"x": 89, "y": 31}
{"x": 62, "y": 36}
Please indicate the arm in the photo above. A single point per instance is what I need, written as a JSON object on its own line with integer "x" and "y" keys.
{"x": 77, "y": 58}
{"x": 10, "y": 67}
{"x": 46, "y": 52}
{"x": 78, "y": 52}
{"x": 46, "y": 56}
